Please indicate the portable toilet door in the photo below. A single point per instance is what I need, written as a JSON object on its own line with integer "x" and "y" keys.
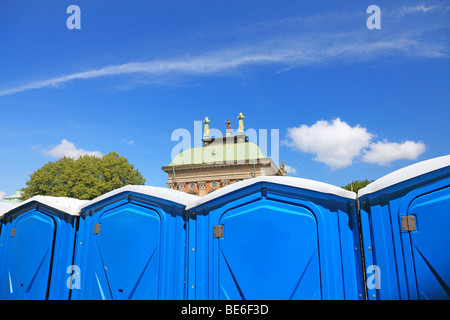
{"x": 131, "y": 245}
{"x": 36, "y": 249}
{"x": 405, "y": 217}
{"x": 274, "y": 238}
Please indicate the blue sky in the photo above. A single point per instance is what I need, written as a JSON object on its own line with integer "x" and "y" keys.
{"x": 349, "y": 102}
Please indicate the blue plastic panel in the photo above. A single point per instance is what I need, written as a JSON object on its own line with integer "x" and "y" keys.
{"x": 139, "y": 252}
{"x": 412, "y": 264}
{"x": 430, "y": 244}
{"x": 128, "y": 246}
{"x": 26, "y": 263}
{"x": 34, "y": 262}
{"x": 270, "y": 251}
{"x": 279, "y": 242}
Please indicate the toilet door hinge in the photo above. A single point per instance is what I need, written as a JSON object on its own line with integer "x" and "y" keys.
{"x": 408, "y": 223}
{"x": 218, "y": 231}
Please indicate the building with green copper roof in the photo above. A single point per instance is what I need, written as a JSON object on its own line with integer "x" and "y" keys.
{"x": 219, "y": 162}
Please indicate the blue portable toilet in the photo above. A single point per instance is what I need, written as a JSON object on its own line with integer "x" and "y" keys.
{"x": 405, "y": 217}
{"x": 274, "y": 237}
{"x": 37, "y": 241}
{"x": 131, "y": 245}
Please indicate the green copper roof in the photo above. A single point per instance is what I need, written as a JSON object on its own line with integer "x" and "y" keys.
{"x": 15, "y": 198}
{"x": 217, "y": 153}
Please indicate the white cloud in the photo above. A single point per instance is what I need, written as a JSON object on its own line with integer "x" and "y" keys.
{"x": 334, "y": 143}
{"x": 290, "y": 170}
{"x": 130, "y": 143}
{"x": 68, "y": 149}
{"x": 2, "y": 194}
{"x": 384, "y": 152}
{"x": 337, "y": 144}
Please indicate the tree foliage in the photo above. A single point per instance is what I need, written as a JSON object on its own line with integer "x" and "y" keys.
{"x": 356, "y": 185}
{"x": 84, "y": 178}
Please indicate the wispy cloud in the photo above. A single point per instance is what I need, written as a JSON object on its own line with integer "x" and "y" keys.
{"x": 221, "y": 62}
{"x": 417, "y": 8}
{"x": 284, "y": 49}
{"x": 204, "y": 65}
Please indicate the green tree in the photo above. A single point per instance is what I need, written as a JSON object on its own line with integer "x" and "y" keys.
{"x": 356, "y": 185}
{"x": 84, "y": 178}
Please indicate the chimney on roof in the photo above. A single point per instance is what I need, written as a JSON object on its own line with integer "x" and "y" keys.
{"x": 228, "y": 128}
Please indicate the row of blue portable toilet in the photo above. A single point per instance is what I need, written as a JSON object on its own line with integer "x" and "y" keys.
{"x": 262, "y": 238}
{"x": 280, "y": 238}
{"x": 127, "y": 244}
